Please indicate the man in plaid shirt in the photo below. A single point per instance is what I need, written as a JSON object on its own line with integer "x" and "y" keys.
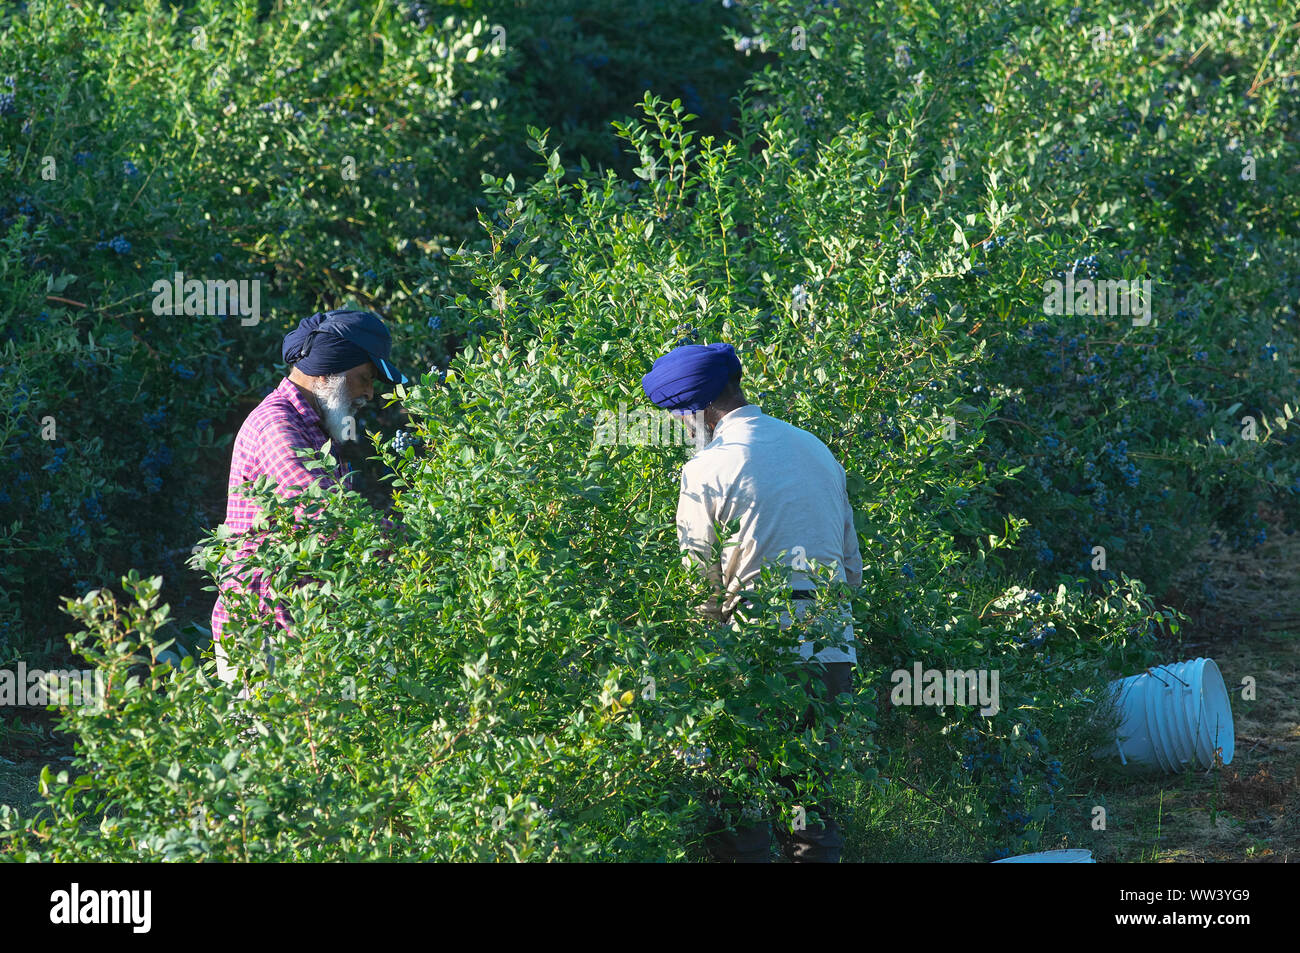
{"x": 336, "y": 357}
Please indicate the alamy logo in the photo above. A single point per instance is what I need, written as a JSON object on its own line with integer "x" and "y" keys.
{"x": 39, "y": 688}
{"x": 103, "y": 906}
{"x": 643, "y": 428}
{"x": 951, "y": 687}
{"x": 210, "y": 296}
{"x": 1108, "y": 296}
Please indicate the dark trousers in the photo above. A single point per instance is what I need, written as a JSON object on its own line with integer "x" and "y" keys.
{"x": 819, "y": 842}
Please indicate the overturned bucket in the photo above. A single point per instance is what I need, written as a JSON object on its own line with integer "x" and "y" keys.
{"x": 1174, "y": 716}
{"x": 1071, "y": 856}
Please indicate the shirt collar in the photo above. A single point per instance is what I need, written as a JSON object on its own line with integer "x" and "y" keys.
{"x": 306, "y": 411}
{"x": 748, "y": 412}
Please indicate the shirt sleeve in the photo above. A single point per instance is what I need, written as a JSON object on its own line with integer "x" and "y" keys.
{"x": 852, "y": 552}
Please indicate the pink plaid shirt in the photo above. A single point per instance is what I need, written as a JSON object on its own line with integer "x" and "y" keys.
{"x": 282, "y": 422}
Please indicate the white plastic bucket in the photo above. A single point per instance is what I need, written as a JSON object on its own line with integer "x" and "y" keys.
{"x": 1165, "y": 710}
{"x": 1071, "y": 856}
{"x": 1132, "y": 739}
{"x": 1174, "y": 716}
{"x": 1215, "y": 731}
{"x": 1182, "y": 683}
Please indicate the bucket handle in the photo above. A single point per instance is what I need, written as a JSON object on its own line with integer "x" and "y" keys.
{"x": 1159, "y": 670}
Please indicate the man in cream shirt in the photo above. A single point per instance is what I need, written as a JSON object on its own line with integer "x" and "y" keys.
{"x": 788, "y": 493}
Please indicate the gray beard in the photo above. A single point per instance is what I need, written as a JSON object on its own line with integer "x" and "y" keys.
{"x": 337, "y": 410}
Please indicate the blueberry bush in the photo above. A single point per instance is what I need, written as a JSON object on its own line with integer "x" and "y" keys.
{"x": 327, "y": 155}
{"x": 519, "y": 673}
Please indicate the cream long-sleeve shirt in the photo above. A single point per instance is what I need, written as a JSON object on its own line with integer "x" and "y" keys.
{"x": 789, "y": 493}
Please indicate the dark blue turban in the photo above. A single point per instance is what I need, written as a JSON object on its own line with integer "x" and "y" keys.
{"x": 331, "y": 342}
{"x": 690, "y": 377}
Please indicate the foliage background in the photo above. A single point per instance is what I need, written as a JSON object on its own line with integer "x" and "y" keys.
{"x": 872, "y": 232}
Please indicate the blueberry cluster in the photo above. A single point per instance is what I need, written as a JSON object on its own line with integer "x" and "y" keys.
{"x": 686, "y": 334}
{"x": 81, "y": 158}
{"x": 7, "y": 104}
{"x": 1061, "y": 153}
{"x": 1016, "y": 817}
{"x": 1053, "y": 775}
{"x": 1040, "y": 634}
{"x": 887, "y": 428}
{"x": 404, "y": 440}
{"x": 1117, "y": 455}
{"x": 57, "y": 463}
{"x": 812, "y": 114}
{"x": 980, "y": 756}
{"x": 129, "y": 169}
{"x": 1088, "y": 264}
{"x": 1043, "y": 552}
{"x": 181, "y": 371}
{"x": 152, "y": 465}
{"x": 118, "y": 244}
{"x": 434, "y": 322}
{"x": 77, "y": 529}
{"x": 153, "y": 420}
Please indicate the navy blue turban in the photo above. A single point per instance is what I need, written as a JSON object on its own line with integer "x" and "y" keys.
{"x": 331, "y": 342}
{"x": 690, "y": 377}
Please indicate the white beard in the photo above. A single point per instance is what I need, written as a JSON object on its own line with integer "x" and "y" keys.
{"x": 701, "y": 433}
{"x": 339, "y": 413}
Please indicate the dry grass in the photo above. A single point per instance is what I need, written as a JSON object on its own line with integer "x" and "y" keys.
{"x": 18, "y": 785}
